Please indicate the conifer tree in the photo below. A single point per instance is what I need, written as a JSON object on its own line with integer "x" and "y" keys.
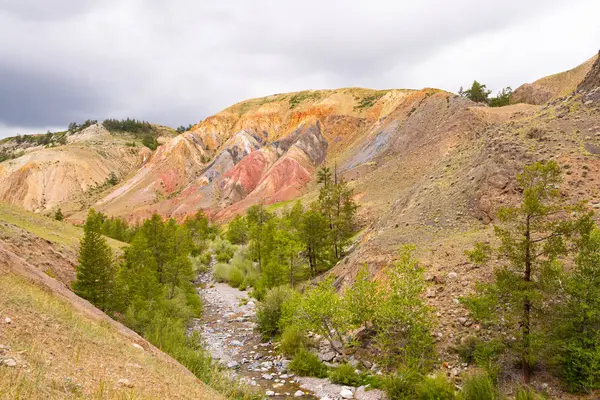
{"x": 96, "y": 271}
{"x": 532, "y": 237}
{"x": 58, "y": 215}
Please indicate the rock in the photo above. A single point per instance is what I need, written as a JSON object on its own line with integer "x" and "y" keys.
{"x": 9, "y": 362}
{"x": 250, "y": 304}
{"x": 267, "y": 364}
{"x": 299, "y": 393}
{"x": 544, "y": 387}
{"x": 430, "y": 293}
{"x": 267, "y": 376}
{"x": 455, "y": 372}
{"x": 137, "y": 346}
{"x": 270, "y": 393}
{"x": 346, "y": 394}
{"x": 236, "y": 343}
{"x": 327, "y": 356}
{"x": 8, "y": 320}
{"x": 233, "y": 364}
{"x": 124, "y": 382}
{"x": 452, "y": 275}
{"x": 462, "y": 320}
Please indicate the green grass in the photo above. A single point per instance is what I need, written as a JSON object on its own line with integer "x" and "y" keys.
{"x": 62, "y": 233}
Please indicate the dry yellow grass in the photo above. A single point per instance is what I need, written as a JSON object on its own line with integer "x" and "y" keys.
{"x": 63, "y": 353}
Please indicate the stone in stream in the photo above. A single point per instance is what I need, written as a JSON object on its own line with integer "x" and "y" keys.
{"x": 346, "y": 393}
{"x": 233, "y": 364}
{"x": 270, "y": 393}
{"x": 299, "y": 393}
{"x": 267, "y": 376}
{"x": 236, "y": 343}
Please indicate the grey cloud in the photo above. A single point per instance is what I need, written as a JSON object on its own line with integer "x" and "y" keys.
{"x": 176, "y": 62}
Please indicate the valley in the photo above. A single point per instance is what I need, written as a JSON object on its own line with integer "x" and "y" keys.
{"x": 348, "y": 243}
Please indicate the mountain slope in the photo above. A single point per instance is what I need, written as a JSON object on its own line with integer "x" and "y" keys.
{"x": 56, "y": 345}
{"x": 553, "y": 86}
{"x": 69, "y": 175}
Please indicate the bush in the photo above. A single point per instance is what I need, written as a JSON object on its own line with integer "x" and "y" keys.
{"x": 223, "y": 249}
{"x": 436, "y": 388}
{"x": 402, "y": 384}
{"x": 237, "y": 278}
{"x": 524, "y": 393}
{"x": 467, "y": 347}
{"x": 479, "y": 387}
{"x": 580, "y": 365}
{"x": 292, "y": 340}
{"x": 306, "y": 363}
{"x": 222, "y": 272}
{"x": 345, "y": 374}
{"x": 268, "y": 313}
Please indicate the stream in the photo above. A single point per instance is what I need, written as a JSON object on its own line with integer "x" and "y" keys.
{"x": 228, "y": 328}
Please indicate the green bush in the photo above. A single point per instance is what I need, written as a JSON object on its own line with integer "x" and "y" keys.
{"x": 479, "y": 386}
{"x": 237, "y": 278}
{"x": 222, "y": 272}
{"x": 580, "y": 365}
{"x": 402, "y": 384}
{"x": 345, "y": 374}
{"x": 524, "y": 393}
{"x": 466, "y": 349}
{"x": 306, "y": 363}
{"x": 292, "y": 340}
{"x": 223, "y": 250}
{"x": 269, "y": 310}
{"x": 435, "y": 388}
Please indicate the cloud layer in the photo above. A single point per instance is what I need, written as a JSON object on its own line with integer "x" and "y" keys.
{"x": 177, "y": 62}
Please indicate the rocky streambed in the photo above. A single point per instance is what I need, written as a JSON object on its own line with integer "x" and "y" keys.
{"x": 228, "y": 328}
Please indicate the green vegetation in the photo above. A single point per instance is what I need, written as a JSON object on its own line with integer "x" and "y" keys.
{"x": 299, "y": 97}
{"x": 181, "y": 128}
{"x": 345, "y": 374}
{"x": 58, "y": 215}
{"x": 435, "y": 388}
{"x": 479, "y": 386}
{"x": 370, "y": 100}
{"x": 74, "y": 127}
{"x": 480, "y": 94}
{"x": 151, "y": 290}
{"x": 306, "y": 363}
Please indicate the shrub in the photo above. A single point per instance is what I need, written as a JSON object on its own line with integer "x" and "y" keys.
{"x": 479, "y": 386}
{"x": 237, "y": 278}
{"x": 292, "y": 340}
{"x": 222, "y": 272}
{"x": 402, "y": 384}
{"x": 268, "y": 313}
{"x": 306, "y": 363}
{"x": 223, "y": 249}
{"x": 345, "y": 374}
{"x": 466, "y": 349}
{"x": 436, "y": 388}
{"x": 524, "y": 393}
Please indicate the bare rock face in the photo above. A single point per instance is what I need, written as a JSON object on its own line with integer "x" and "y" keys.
{"x": 592, "y": 79}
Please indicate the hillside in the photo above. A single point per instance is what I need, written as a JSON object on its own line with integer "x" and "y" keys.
{"x": 71, "y": 171}
{"x": 54, "y": 344}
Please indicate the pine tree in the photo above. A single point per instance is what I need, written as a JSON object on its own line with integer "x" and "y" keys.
{"x": 237, "y": 231}
{"x": 532, "y": 237}
{"x": 313, "y": 234}
{"x": 178, "y": 267}
{"x": 58, "y": 215}
{"x": 96, "y": 271}
{"x": 260, "y": 234}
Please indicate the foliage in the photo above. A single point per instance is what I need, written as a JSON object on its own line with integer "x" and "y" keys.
{"x": 403, "y": 321}
{"x": 129, "y": 125}
{"x": 477, "y": 93}
{"x": 113, "y": 227}
{"x": 150, "y": 142}
{"x": 525, "y": 393}
{"x": 370, "y": 100}
{"x": 502, "y": 99}
{"x": 577, "y": 328}
{"x": 74, "y": 127}
{"x": 337, "y": 206}
{"x": 321, "y": 311}
{"x": 306, "y": 363}
{"x": 363, "y": 298}
{"x": 480, "y": 254}
{"x": 345, "y": 374}
{"x": 402, "y": 384}
{"x": 292, "y": 340}
{"x": 533, "y": 237}
{"x": 58, "y": 215}
{"x": 96, "y": 272}
{"x": 268, "y": 312}
{"x": 299, "y": 97}
{"x": 435, "y": 388}
{"x": 223, "y": 250}
{"x": 182, "y": 129}
{"x": 237, "y": 231}
{"x": 479, "y": 386}
{"x": 112, "y": 179}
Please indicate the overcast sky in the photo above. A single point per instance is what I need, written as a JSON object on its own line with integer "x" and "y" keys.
{"x": 176, "y": 62}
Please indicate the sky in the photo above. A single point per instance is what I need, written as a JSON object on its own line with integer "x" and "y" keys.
{"x": 176, "y": 62}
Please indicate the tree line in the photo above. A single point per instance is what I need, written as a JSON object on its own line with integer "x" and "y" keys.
{"x": 479, "y": 93}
